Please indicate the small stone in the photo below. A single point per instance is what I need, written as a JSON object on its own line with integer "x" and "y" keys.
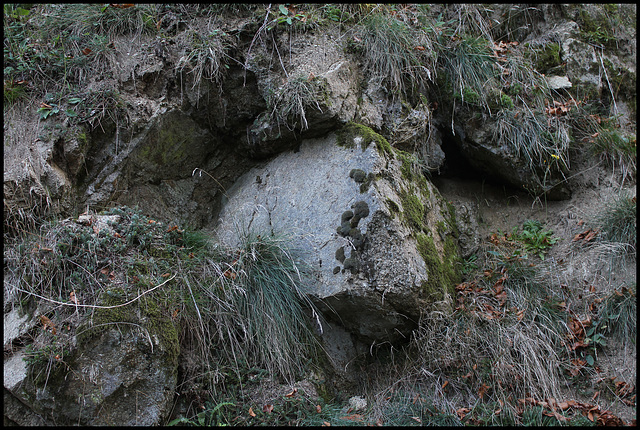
{"x": 336, "y": 270}
{"x": 340, "y": 254}
{"x": 357, "y": 403}
{"x": 558, "y": 82}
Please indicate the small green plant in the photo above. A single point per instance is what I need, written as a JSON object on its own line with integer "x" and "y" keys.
{"x": 213, "y": 415}
{"x": 535, "y": 238}
{"x": 288, "y": 15}
{"x": 506, "y": 102}
{"x": 469, "y": 264}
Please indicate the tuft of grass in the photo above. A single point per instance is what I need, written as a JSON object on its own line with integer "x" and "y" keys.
{"x": 251, "y": 307}
{"x": 395, "y": 53}
{"x": 468, "y": 69}
{"x": 505, "y": 334}
{"x": 540, "y": 143}
{"x": 203, "y": 56}
{"x": 289, "y": 104}
{"x": 617, "y": 224}
{"x": 269, "y": 297}
{"x": 617, "y": 315}
{"x": 618, "y": 148}
{"x": 104, "y": 19}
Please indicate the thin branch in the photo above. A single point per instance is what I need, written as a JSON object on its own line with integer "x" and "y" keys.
{"x": 95, "y": 306}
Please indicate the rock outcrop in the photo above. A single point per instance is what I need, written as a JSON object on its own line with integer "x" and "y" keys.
{"x": 116, "y": 365}
{"x": 378, "y": 236}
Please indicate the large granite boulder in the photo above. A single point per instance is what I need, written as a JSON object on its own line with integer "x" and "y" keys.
{"x": 377, "y": 235}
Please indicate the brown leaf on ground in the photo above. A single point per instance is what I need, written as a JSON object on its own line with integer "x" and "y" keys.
{"x": 46, "y": 322}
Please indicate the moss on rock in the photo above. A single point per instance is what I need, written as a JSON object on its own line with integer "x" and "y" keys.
{"x": 442, "y": 276}
{"x": 413, "y": 210}
{"x": 547, "y": 57}
{"x": 348, "y": 135}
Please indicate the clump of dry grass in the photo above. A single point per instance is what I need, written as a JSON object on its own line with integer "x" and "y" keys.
{"x": 247, "y": 309}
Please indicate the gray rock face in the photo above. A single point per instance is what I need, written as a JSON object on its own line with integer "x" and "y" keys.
{"x": 121, "y": 377}
{"x": 116, "y": 365}
{"x": 335, "y": 203}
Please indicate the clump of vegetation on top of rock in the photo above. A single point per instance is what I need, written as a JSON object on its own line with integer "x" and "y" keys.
{"x": 353, "y": 133}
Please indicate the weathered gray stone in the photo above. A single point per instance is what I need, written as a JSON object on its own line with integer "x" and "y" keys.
{"x": 378, "y": 290}
{"x": 558, "y": 82}
{"x": 118, "y": 373}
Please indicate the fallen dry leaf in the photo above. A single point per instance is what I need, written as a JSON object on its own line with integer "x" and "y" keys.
{"x": 353, "y": 417}
{"x": 292, "y": 393}
{"x": 267, "y": 409}
{"x": 318, "y": 409}
{"x": 253, "y": 414}
{"x": 72, "y": 297}
{"x": 462, "y": 412}
{"x": 482, "y": 390}
{"x": 46, "y": 322}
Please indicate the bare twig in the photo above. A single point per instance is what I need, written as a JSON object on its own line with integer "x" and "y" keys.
{"x": 94, "y": 306}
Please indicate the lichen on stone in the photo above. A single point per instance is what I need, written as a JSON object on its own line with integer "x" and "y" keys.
{"x": 358, "y": 175}
{"x": 360, "y": 209}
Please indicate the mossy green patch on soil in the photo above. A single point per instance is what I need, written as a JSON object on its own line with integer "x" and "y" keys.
{"x": 352, "y": 130}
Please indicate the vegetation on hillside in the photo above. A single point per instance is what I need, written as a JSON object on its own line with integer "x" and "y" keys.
{"x": 497, "y": 353}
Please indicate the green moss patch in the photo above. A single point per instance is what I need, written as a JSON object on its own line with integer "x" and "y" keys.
{"x": 408, "y": 172}
{"x": 442, "y": 276}
{"x": 348, "y": 134}
{"x": 393, "y": 207}
{"x": 546, "y": 57}
{"x": 413, "y": 210}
